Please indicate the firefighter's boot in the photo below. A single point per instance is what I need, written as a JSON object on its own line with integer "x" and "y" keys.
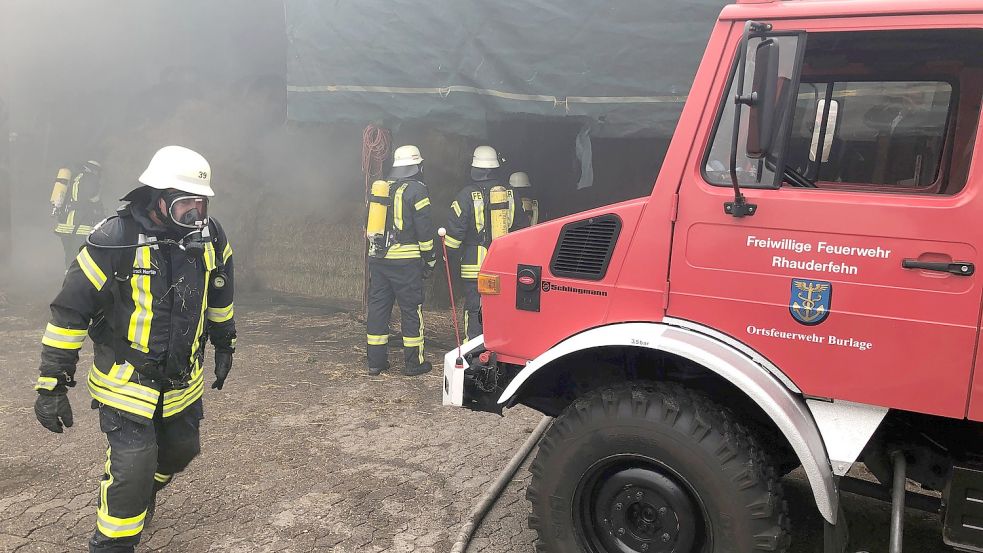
{"x": 416, "y": 370}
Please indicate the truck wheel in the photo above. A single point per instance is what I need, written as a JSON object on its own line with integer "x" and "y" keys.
{"x": 653, "y": 468}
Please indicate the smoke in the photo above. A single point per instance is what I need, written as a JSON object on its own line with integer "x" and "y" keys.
{"x": 115, "y": 81}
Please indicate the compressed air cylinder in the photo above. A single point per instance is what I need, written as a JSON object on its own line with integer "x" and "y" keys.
{"x": 378, "y": 205}
{"x": 499, "y": 211}
{"x": 60, "y": 189}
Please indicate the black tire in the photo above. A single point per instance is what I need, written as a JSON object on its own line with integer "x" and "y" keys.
{"x": 623, "y": 468}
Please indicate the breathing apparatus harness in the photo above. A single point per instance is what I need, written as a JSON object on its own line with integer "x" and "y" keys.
{"x": 193, "y": 241}
{"x": 381, "y": 226}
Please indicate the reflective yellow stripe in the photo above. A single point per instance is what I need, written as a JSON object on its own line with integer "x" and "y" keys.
{"x": 162, "y": 478}
{"x": 471, "y": 271}
{"x": 398, "y": 207}
{"x": 452, "y": 242}
{"x": 227, "y": 253}
{"x": 91, "y": 269}
{"x": 113, "y": 527}
{"x": 139, "y": 331}
{"x": 482, "y": 252}
{"x": 456, "y": 207}
{"x": 123, "y": 387}
{"x": 75, "y": 187}
{"x": 426, "y": 246}
{"x": 196, "y": 340}
{"x": 377, "y": 339}
{"x": 110, "y": 526}
{"x": 46, "y": 383}
{"x": 403, "y": 251}
{"x": 419, "y": 314}
{"x": 68, "y": 227}
{"x": 176, "y": 401}
{"x": 210, "y": 257}
{"x": 83, "y": 229}
{"x": 412, "y": 342}
{"x": 421, "y": 204}
{"x": 63, "y": 338}
{"x": 478, "y": 199}
{"x": 466, "y": 333}
{"x": 220, "y": 314}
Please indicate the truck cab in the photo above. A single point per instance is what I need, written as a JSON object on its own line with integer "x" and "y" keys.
{"x": 799, "y": 289}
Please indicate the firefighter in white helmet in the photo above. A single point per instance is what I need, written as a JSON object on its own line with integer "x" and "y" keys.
{"x": 483, "y": 211}
{"x": 77, "y": 205}
{"x": 524, "y": 196}
{"x": 155, "y": 282}
{"x": 401, "y": 256}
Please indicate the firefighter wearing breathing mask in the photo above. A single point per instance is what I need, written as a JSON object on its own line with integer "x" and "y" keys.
{"x": 76, "y": 205}
{"x": 155, "y": 283}
{"x": 401, "y": 256}
{"x": 483, "y": 211}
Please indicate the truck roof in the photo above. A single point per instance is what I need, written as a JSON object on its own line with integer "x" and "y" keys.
{"x": 789, "y": 9}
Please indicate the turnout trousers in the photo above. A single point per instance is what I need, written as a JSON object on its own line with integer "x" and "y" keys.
{"x": 142, "y": 458}
{"x": 472, "y": 308}
{"x": 399, "y": 280}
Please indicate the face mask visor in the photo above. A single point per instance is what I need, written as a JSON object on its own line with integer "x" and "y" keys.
{"x": 190, "y": 212}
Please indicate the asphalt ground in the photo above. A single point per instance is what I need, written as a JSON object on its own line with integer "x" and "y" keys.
{"x": 302, "y": 451}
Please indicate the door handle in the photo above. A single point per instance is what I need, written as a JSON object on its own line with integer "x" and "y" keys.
{"x": 956, "y": 268}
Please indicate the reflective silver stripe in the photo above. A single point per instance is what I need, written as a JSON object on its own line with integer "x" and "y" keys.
{"x": 139, "y": 331}
{"x": 109, "y": 526}
{"x": 46, "y": 383}
{"x": 91, "y": 269}
{"x": 127, "y": 389}
{"x": 119, "y": 402}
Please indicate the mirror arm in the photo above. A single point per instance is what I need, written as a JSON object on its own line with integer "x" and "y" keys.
{"x": 739, "y": 207}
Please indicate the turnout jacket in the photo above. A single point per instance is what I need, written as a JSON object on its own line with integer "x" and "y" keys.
{"x": 469, "y": 227}
{"x": 149, "y": 311}
{"x": 78, "y": 216}
{"x": 409, "y": 223}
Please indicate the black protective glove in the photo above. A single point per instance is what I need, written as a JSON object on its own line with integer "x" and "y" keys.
{"x": 428, "y": 268}
{"x": 53, "y": 410}
{"x": 223, "y": 364}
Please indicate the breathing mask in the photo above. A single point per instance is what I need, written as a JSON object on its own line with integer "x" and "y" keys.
{"x": 187, "y": 210}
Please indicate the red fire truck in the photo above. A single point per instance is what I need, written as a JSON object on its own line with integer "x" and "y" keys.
{"x": 798, "y": 290}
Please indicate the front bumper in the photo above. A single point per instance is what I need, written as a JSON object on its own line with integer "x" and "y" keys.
{"x": 454, "y": 375}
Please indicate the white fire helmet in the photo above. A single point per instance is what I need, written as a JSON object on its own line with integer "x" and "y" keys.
{"x": 407, "y": 155}
{"x": 519, "y": 180}
{"x": 179, "y": 168}
{"x": 485, "y": 157}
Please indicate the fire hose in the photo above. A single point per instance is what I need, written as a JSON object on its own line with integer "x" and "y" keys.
{"x": 491, "y": 495}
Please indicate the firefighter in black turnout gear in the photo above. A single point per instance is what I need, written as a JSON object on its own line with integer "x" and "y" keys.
{"x": 77, "y": 205}
{"x": 401, "y": 257}
{"x": 155, "y": 282}
{"x": 483, "y": 211}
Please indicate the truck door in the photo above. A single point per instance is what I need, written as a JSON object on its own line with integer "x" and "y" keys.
{"x": 856, "y": 272}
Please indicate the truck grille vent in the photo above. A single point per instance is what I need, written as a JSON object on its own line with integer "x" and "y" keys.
{"x": 585, "y": 247}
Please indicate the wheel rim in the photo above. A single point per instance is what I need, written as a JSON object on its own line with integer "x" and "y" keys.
{"x": 636, "y": 504}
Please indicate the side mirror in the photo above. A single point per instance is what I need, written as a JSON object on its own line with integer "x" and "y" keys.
{"x": 763, "y": 99}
